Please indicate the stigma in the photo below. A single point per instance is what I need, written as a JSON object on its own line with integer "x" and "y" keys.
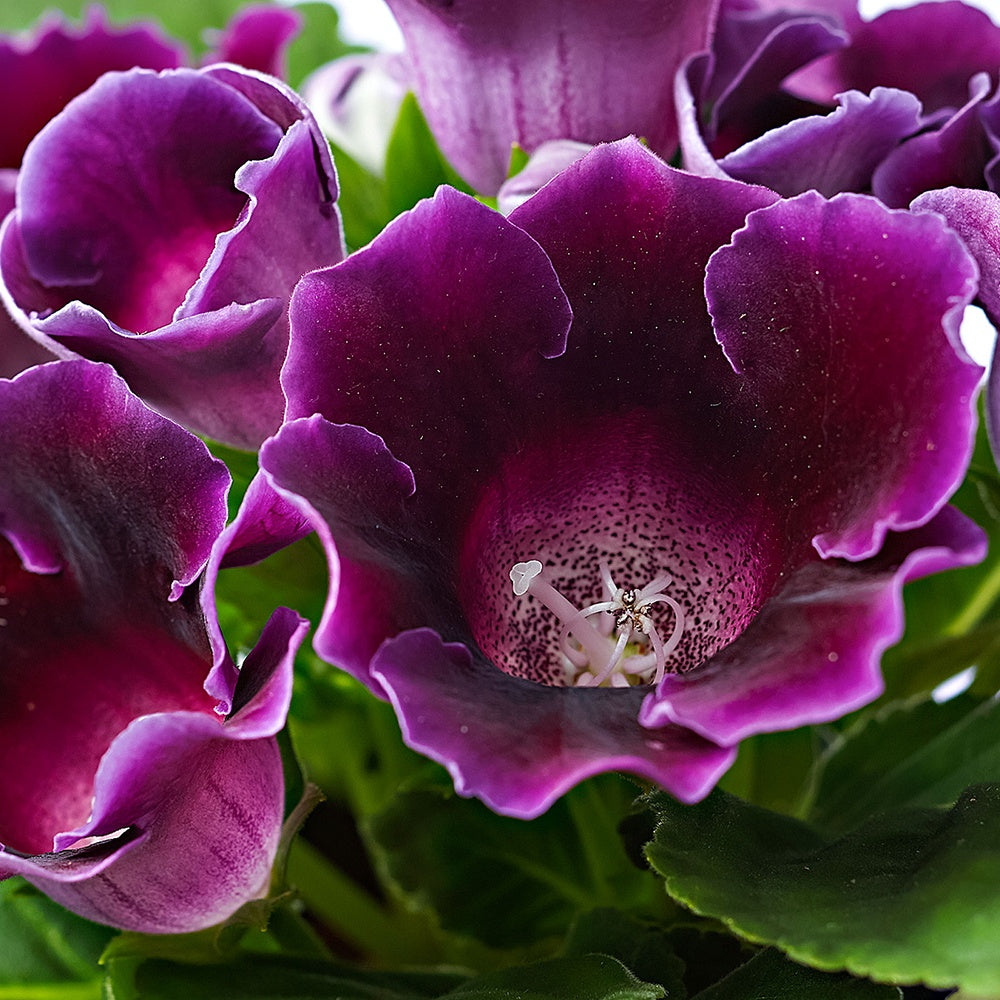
{"x": 615, "y": 642}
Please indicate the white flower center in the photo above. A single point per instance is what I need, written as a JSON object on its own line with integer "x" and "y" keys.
{"x": 636, "y": 655}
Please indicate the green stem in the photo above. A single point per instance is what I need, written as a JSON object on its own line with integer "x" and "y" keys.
{"x": 987, "y": 594}
{"x": 598, "y": 834}
{"x": 347, "y": 910}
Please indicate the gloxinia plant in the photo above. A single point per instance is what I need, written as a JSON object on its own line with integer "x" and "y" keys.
{"x": 490, "y": 75}
{"x": 632, "y": 476}
{"x": 162, "y": 221}
{"x": 124, "y": 794}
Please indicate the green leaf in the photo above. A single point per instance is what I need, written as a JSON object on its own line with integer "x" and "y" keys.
{"x": 772, "y": 769}
{"x": 271, "y": 978}
{"x": 46, "y": 946}
{"x": 505, "y": 881}
{"x": 414, "y": 166}
{"x": 592, "y": 977}
{"x": 246, "y": 596}
{"x": 641, "y": 947}
{"x": 769, "y": 975}
{"x": 912, "y": 896}
{"x": 363, "y": 200}
{"x": 921, "y": 754}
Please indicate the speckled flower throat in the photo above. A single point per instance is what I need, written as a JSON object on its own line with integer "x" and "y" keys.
{"x": 592, "y": 564}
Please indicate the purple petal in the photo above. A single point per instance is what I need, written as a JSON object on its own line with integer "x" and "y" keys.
{"x": 357, "y": 492}
{"x": 829, "y": 153}
{"x": 488, "y": 75}
{"x": 469, "y": 717}
{"x": 546, "y": 161}
{"x": 975, "y": 216}
{"x": 954, "y": 154}
{"x": 753, "y": 52}
{"x": 53, "y": 417}
{"x": 603, "y": 223}
{"x": 128, "y": 220}
{"x": 258, "y": 37}
{"x": 481, "y": 321}
{"x": 208, "y": 810}
{"x": 645, "y": 452}
{"x": 859, "y": 368}
{"x": 813, "y": 654}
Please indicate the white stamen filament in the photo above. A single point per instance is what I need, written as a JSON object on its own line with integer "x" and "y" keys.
{"x": 627, "y": 613}
{"x": 527, "y": 579}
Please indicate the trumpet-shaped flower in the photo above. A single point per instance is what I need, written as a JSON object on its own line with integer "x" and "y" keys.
{"x": 580, "y": 516}
{"x": 124, "y": 794}
{"x": 161, "y": 223}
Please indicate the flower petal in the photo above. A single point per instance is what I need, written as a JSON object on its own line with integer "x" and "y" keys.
{"x": 488, "y": 75}
{"x": 485, "y": 342}
{"x": 813, "y": 653}
{"x": 519, "y": 746}
{"x": 829, "y": 153}
{"x": 852, "y": 359}
{"x": 257, "y": 37}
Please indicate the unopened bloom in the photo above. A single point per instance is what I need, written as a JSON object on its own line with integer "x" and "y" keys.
{"x": 631, "y": 476}
{"x": 162, "y": 221}
{"x": 124, "y": 794}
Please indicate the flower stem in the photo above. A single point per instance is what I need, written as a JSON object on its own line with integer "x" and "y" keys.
{"x": 986, "y": 595}
{"x": 91, "y": 990}
{"x": 350, "y": 912}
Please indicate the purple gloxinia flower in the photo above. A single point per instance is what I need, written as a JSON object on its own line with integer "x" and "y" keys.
{"x": 162, "y": 221}
{"x": 489, "y": 75}
{"x": 570, "y": 527}
{"x": 39, "y": 74}
{"x": 123, "y": 794}
{"x": 902, "y": 49}
{"x": 759, "y": 107}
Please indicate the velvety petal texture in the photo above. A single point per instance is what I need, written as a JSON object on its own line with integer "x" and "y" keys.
{"x": 489, "y": 74}
{"x": 544, "y": 549}
{"x": 172, "y": 254}
{"x": 829, "y": 153}
{"x": 124, "y": 794}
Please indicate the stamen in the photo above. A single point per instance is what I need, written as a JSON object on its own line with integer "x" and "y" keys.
{"x": 625, "y": 611}
{"x": 527, "y": 579}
